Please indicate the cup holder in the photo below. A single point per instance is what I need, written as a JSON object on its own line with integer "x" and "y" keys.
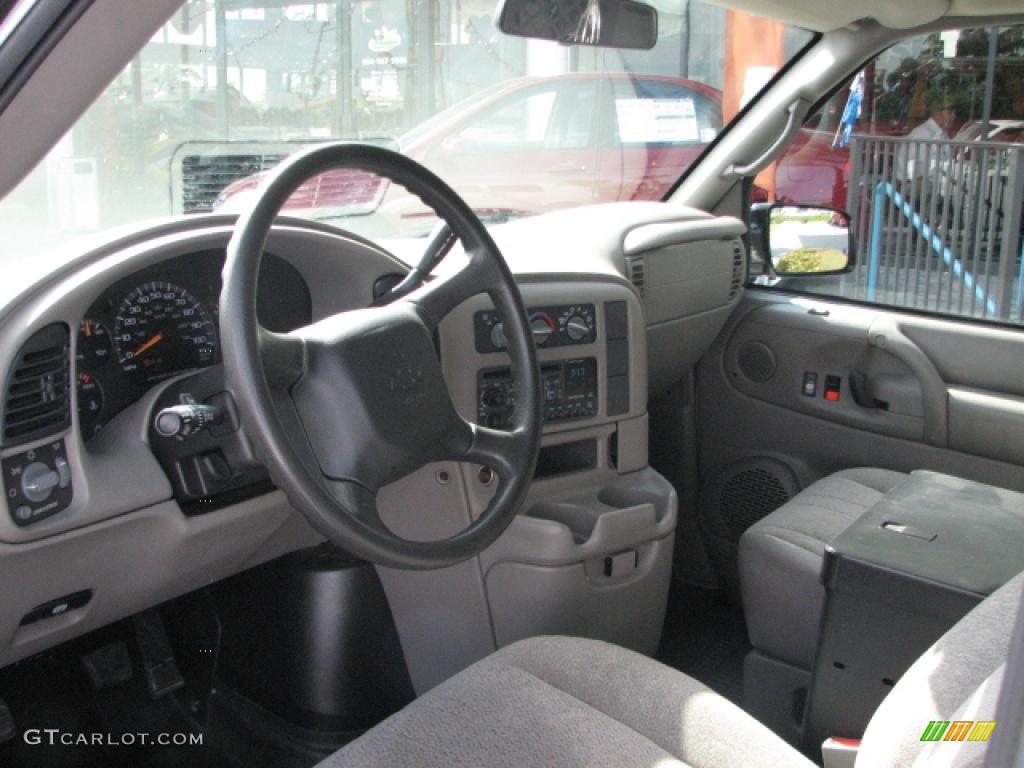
{"x": 613, "y": 516}
{"x": 617, "y": 497}
{"x": 578, "y": 519}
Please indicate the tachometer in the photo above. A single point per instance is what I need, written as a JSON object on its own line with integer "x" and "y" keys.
{"x": 160, "y": 330}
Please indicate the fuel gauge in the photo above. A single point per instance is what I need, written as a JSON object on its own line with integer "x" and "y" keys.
{"x": 94, "y": 345}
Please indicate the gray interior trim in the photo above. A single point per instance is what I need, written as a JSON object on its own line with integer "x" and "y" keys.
{"x": 133, "y": 562}
{"x": 340, "y": 272}
{"x": 1007, "y": 748}
{"x": 651, "y": 236}
{"x": 62, "y": 89}
{"x": 885, "y": 334}
{"x": 38, "y": 31}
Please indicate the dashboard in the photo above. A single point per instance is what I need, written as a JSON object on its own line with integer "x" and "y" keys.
{"x": 93, "y": 352}
{"x": 162, "y": 321}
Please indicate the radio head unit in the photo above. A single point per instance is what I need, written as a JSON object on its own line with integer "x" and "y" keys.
{"x": 568, "y": 391}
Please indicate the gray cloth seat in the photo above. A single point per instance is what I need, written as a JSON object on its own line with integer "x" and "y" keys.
{"x": 561, "y": 701}
{"x": 780, "y": 560}
{"x": 557, "y": 701}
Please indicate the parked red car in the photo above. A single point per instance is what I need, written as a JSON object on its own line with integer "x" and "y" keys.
{"x": 585, "y": 138}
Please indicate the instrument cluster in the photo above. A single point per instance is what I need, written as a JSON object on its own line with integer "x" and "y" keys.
{"x": 163, "y": 321}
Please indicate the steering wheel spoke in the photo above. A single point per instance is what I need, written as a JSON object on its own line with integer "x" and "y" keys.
{"x": 498, "y": 449}
{"x": 440, "y": 296}
{"x": 283, "y": 356}
{"x": 360, "y": 501}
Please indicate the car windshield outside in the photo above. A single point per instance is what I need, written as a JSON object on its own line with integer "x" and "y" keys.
{"x": 227, "y": 88}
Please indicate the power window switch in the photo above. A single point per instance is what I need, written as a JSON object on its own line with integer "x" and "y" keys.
{"x": 810, "y": 387}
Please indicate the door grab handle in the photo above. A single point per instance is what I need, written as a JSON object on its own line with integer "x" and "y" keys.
{"x": 797, "y": 112}
{"x": 887, "y": 335}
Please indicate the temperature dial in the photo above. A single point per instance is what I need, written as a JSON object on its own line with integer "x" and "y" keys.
{"x": 542, "y": 326}
{"x": 90, "y": 404}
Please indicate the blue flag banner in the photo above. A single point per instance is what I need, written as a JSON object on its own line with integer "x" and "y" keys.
{"x": 850, "y": 113}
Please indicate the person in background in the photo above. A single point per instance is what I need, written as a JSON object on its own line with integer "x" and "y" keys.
{"x": 940, "y": 123}
{"x": 940, "y": 126}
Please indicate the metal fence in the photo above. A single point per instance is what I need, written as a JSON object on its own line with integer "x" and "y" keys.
{"x": 938, "y": 226}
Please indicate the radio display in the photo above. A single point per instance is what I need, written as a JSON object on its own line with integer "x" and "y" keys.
{"x": 578, "y": 378}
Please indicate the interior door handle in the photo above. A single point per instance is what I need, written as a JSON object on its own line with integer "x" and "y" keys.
{"x": 860, "y": 391}
{"x": 886, "y": 334}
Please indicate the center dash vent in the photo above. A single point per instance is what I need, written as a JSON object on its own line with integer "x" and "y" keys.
{"x": 636, "y": 268}
{"x": 37, "y": 401}
{"x": 204, "y": 177}
{"x": 738, "y": 263}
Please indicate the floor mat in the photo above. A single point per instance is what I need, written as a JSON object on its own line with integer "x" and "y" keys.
{"x": 65, "y": 721}
{"x": 705, "y": 637}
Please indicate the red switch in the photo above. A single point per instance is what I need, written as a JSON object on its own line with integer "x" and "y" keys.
{"x": 833, "y": 385}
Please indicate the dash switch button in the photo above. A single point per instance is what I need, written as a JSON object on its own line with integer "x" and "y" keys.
{"x": 810, "y": 388}
{"x": 63, "y": 471}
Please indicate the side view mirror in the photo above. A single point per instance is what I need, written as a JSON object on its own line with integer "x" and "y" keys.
{"x": 803, "y": 240}
{"x": 605, "y": 23}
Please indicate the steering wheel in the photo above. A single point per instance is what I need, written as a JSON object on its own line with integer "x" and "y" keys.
{"x": 340, "y": 408}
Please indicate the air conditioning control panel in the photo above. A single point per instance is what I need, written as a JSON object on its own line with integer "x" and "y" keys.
{"x": 555, "y": 326}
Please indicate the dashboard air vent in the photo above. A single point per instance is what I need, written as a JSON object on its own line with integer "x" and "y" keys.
{"x": 738, "y": 261}
{"x": 637, "y": 270}
{"x": 203, "y": 177}
{"x": 37, "y": 400}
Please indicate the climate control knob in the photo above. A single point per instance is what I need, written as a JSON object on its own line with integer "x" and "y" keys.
{"x": 542, "y": 327}
{"x": 577, "y": 328}
{"x": 498, "y": 336}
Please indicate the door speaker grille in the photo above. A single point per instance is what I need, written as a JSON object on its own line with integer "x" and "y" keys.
{"x": 732, "y": 500}
{"x": 749, "y": 495}
{"x": 757, "y": 361}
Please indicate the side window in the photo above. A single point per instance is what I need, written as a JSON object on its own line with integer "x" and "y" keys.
{"x": 930, "y": 168}
{"x": 660, "y": 113}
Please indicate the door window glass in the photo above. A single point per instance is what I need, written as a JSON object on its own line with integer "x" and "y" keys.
{"x": 929, "y": 162}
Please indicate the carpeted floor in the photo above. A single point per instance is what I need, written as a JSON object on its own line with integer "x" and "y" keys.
{"x": 705, "y": 638}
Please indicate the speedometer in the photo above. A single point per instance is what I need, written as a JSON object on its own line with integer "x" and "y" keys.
{"x": 162, "y": 329}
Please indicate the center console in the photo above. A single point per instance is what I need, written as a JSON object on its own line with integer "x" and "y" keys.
{"x": 590, "y": 553}
{"x": 897, "y": 579}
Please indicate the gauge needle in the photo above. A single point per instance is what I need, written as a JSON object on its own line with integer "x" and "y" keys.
{"x": 159, "y": 337}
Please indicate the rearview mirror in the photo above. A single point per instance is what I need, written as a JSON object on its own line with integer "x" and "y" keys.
{"x": 803, "y": 240}
{"x": 606, "y": 23}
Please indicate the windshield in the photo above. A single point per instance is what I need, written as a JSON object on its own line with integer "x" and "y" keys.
{"x": 228, "y": 88}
